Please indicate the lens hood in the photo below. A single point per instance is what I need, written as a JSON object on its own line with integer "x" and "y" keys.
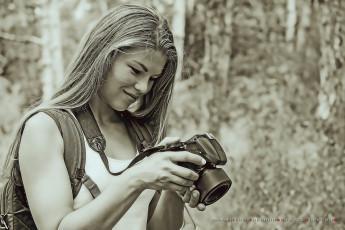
{"x": 212, "y": 185}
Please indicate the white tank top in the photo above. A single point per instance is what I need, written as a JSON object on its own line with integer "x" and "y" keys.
{"x": 136, "y": 216}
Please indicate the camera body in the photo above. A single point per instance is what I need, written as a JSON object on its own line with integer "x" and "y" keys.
{"x": 213, "y": 183}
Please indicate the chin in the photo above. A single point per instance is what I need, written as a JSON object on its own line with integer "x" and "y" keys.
{"x": 134, "y": 106}
{"x": 120, "y": 109}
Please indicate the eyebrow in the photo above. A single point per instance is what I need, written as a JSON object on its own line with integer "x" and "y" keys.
{"x": 142, "y": 66}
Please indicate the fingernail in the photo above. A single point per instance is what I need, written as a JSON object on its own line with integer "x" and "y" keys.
{"x": 195, "y": 193}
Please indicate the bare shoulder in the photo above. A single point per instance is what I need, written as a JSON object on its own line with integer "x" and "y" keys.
{"x": 40, "y": 121}
{"x": 40, "y": 134}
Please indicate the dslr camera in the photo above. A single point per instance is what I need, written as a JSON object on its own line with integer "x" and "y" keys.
{"x": 213, "y": 183}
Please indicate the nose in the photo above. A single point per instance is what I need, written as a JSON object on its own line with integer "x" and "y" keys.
{"x": 143, "y": 85}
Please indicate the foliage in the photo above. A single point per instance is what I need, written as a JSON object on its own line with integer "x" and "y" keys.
{"x": 19, "y": 72}
{"x": 284, "y": 160}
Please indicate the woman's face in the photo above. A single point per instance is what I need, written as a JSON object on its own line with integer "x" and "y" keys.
{"x": 130, "y": 77}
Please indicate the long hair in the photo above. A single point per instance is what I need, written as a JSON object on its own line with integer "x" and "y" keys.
{"x": 122, "y": 28}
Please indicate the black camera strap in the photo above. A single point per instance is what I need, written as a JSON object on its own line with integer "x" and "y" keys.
{"x": 139, "y": 132}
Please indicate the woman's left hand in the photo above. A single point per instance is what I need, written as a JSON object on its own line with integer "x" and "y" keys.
{"x": 191, "y": 197}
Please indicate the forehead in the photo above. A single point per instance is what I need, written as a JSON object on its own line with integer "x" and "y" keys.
{"x": 152, "y": 59}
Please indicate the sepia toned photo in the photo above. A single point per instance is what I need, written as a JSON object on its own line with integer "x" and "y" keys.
{"x": 172, "y": 114}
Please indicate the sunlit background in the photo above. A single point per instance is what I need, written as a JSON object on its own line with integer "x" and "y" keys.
{"x": 266, "y": 77}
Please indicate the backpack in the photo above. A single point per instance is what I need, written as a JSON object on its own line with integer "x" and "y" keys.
{"x": 15, "y": 211}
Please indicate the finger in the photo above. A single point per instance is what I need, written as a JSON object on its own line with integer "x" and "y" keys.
{"x": 180, "y": 181}
{"x": 187, "y": 196}
{"x": 192, "y": 187}
{"x": 184, "y": 156}
{"x": 181, "y": 194}
{"x": 169, "y": 140}
{"x": 201, "y": 207}
{"x": 185, "y": 173}
{"x": 193, "y": 202}
{"x": 175, "y": 187}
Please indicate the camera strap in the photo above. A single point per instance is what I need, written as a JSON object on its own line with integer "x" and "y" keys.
{"x": 139, "y": 132}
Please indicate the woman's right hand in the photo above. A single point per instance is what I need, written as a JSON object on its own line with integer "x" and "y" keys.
{"x": 160, "y": 171}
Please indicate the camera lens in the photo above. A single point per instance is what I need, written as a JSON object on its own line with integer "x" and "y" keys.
{"x": 213, "y": 184}
{"x": 217, "y": 194}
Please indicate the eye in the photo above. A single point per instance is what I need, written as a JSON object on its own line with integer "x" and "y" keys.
{"x": 134, "y": 70}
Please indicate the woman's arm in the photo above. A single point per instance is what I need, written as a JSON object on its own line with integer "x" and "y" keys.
{"x": 168, "y": 213}
{"x": 48, "y": 187}
{"x": 167, "y": 208}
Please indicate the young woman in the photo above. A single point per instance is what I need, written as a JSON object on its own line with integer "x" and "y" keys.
{"x": 127, "y": 61}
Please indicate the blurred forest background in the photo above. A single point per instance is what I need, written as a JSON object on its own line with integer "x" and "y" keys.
{"x": 266, "y": 77}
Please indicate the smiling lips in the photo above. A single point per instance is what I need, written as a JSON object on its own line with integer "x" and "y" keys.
{"x": 133, "y": 96}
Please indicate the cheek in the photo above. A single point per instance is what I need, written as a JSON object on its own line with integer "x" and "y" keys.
{"x": 125, "y": 79}
{"x": 102, "y": 93}
{"x": 107, "y": 91}
{"x": 120, "y": 76}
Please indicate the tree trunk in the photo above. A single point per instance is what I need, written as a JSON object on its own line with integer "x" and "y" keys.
{"x": 216, "y": 63}
{"x": 290, "y": 24}
{"x": 178, "y": 28}
{"x": 304, "y": 25}
{"x": 52, "y": 60}
{"x": 327, "y": 66}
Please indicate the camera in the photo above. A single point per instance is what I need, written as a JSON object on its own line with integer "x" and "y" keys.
{"x": 213, "y": 183}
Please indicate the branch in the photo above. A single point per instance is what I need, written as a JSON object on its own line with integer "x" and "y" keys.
{"x": 24, "y": 39}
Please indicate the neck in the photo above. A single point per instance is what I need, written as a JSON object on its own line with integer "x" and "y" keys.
{"x": 103, "y": 113}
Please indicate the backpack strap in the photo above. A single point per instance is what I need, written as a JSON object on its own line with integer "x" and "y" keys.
{"x": 74, "y": 152}
{"x": 74, "y": 148}
{"x": 138, "y": 131}
{"x": 91, "y": 185}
